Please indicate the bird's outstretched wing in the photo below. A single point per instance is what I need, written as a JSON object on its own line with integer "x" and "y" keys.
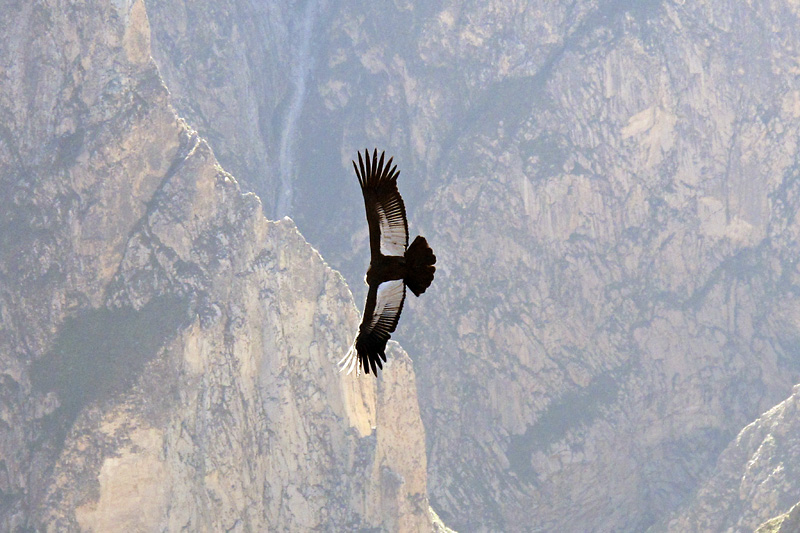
{"x": 381, "y": 313}
{"x": 386, "y": 213}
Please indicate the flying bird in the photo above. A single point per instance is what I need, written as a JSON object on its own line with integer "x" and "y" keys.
{"x": 393, "y": 266}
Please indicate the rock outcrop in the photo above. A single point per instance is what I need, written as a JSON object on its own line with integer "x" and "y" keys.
{"x": 786, "y": 523}
{"x": 167, "y": 354}
{"x": 755, "y": 478}
{"x": 228, "y": 67}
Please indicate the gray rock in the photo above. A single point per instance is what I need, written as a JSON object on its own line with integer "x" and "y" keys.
{"x": 754, "y": 480}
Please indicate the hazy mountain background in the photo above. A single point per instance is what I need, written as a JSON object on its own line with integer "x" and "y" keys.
{"x": 612, "y": 191}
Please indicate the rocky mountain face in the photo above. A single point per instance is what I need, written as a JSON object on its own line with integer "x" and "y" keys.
{"x": 786, "y": 523}
{"x": 755, "y": 478}
{"x": 612, "y": 190}
{"x": 167, "y": 354}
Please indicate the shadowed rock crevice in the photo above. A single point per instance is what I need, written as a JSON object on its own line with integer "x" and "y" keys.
{"x": 572, "y": 410}
{"x": 100, "y": 353}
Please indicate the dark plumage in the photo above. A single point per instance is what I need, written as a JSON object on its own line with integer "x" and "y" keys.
{"x": 393, "y": 264}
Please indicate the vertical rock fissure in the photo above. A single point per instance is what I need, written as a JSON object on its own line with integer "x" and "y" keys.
{"x": 301, "y": 68}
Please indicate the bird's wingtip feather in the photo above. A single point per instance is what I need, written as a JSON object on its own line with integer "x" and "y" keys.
{"x": 348, "y": 362}
{"x": 361, "y": 166}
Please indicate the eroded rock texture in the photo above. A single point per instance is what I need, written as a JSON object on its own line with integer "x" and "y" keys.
{"x": 612, "y": 190}
{"x": 167, "y": 354}
{"x": 786, "y": 523}
{"x": 755, "y": 478}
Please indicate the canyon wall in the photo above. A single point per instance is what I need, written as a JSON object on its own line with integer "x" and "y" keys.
{"x": 167, "y": 354}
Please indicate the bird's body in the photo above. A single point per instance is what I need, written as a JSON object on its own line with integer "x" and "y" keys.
{"x": 386, "y": 268}
{"x": 393, "y": 265}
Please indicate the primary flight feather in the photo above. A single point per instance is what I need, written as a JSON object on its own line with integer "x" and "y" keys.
{"x": 394, "y": 265}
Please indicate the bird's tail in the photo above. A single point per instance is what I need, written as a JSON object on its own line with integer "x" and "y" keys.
{"x": 419, "y": 264}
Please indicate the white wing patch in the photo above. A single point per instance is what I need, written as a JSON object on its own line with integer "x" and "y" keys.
{"x": 393, "y": 234}
{"x": 389, "y": 303}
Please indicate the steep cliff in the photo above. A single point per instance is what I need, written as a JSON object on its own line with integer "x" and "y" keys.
{"x": 755, "y": 479}
{"x": 611, "y": 188}
{"x": 167, "y": 354}
{"x": 229, "y": 68}
{"x": 786, "y": 523}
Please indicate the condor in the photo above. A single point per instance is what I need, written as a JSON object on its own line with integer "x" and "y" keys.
{"x": 394, "y": 265}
